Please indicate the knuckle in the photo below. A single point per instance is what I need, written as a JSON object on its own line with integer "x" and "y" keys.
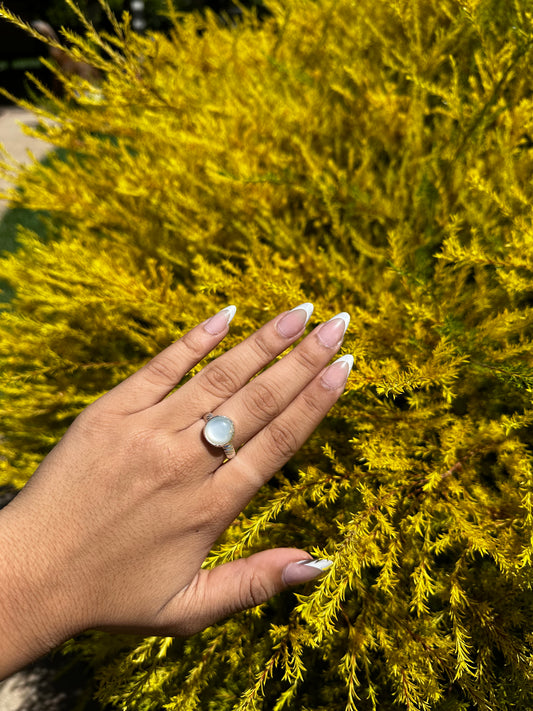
{"x": 192, "y": 344}
{"x": 219, "y": 380}
{"x": 305, "y": 360}
{"x": 95, "y": 421}
{"x": 262, "y": 347}
{"x": 166, "y": 475}
{"x": 207, "y": 518}
{"x": 146, "y": 444}
{"x": 178, "y": 463}
{"x": 263, "y": 401}
{"x": 158, "y": 461}
{"x": 161, "y": 370}
{"x": 253, "y": 591}
{"x": 312, "y": 407}
{"x": 282, "y": 440}
{"x": 207, "y": 514}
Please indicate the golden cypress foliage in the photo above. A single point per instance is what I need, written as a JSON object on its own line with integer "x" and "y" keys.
{"x": 374, "y": 157}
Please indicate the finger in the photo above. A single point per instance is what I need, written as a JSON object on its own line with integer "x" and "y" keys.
{"x": 271, "y": 392}
{"x": 218, "y": 593}
{"x": 153, "y": 382}
{"x": 276, "y": 443}
{"x": 224, "y": 376}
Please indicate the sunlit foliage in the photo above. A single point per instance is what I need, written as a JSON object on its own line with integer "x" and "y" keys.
{"x": 374, "y": 157}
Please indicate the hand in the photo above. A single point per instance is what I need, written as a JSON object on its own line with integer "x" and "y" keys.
{"x": 112, "y": 530}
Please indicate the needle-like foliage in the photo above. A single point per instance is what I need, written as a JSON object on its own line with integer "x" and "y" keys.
{"x": 374, "y": 157}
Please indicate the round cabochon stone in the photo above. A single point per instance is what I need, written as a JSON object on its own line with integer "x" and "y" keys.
{"x": 219, "y": 430}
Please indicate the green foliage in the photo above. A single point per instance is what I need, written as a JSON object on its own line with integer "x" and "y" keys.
{"x": 374, "y": 157}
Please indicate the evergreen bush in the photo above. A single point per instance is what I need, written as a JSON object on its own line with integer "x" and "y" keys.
{"x": 58, "y": 13}
{"x": 370, "y": 156}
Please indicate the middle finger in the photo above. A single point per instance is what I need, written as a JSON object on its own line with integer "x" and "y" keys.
{"x": 228, "y": 373}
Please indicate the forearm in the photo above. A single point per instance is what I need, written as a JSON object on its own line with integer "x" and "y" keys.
{"x": 28, "y": 621}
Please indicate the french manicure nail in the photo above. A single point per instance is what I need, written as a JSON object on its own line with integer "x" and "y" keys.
{"x": 304, "y": 570}
{"x": 337, "y": 373}
{"x": 294, "y": 321}
{"x": 331, "y": 333}
{"x": 220, "y": 321}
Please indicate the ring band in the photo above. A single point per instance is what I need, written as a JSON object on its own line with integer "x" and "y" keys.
{"x": 219, "y": 431}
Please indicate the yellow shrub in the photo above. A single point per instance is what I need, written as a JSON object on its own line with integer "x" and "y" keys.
{"x": 374, "y": 157}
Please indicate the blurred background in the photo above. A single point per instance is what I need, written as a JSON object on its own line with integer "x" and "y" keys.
{"x": 19, "y": 53}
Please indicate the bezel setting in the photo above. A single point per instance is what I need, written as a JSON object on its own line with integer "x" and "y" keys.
{"x": 210, "y": 430}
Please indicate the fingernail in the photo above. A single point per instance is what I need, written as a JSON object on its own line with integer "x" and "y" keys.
{"x": 304, "y": 570}
{"x": 337, "y": 373}
{"x": 294, "y": 321}
{"x": 331, "y": 333}
{"x": 219, "y": 322}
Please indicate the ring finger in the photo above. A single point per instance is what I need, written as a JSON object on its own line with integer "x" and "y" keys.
{"x": 276, "y": 443}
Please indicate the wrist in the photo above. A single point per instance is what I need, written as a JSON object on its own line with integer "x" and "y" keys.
{"x": 31, "y": 619}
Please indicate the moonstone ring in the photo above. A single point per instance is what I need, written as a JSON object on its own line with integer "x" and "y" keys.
{"x": 219, "y": 431}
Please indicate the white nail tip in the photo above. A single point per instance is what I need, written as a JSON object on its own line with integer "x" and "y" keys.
{"x": 307, "y": 307}
{"x": 230, "y": 312}
{"x": 345, "y": 316}
{"x": 320, "y": 564}
{"x": 348, "y": 359}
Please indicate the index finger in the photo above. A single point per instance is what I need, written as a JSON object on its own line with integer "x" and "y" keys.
{"x": 228, "y": 373}
{"x": 157, "y": 378}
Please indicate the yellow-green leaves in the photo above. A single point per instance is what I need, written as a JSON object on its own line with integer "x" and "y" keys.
{"x": 373, "y": 157}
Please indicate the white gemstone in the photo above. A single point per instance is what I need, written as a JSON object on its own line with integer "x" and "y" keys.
{"x": 219, "y": 431}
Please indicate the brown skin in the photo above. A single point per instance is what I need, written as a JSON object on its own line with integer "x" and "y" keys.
{"x": 112, "y": 530}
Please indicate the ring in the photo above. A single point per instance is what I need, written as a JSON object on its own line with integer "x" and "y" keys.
{"x": 219, "y": 431}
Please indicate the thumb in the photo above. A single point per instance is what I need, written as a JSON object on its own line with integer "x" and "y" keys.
{"x": 222, "y": 591}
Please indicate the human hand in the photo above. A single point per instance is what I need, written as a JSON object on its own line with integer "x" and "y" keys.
{"x": 112, "y": 530}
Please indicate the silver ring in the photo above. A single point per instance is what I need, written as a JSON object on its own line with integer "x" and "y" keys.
{"x": 219, "y": 431}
